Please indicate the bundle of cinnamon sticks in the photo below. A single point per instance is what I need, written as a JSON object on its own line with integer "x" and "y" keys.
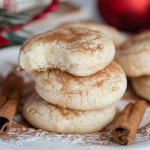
{"x": 125, "y": 128}
{"x": 9, "y": 100}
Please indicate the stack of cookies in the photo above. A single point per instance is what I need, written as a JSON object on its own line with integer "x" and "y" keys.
{"x": 134, "y": 58}
{"x": 77, "y": 82}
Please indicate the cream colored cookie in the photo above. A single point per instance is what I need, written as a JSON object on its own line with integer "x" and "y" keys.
{"x": 78, "y": 51}
{"x": 46, "y": 116}
{"x": 97, "y": 91}
{"x": 110, "y": 31}
{"x": 141, "y": 86}
{"x": 134, "y": 55}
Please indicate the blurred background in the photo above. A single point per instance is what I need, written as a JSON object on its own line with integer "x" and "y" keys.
{"x": 21, "y": 19}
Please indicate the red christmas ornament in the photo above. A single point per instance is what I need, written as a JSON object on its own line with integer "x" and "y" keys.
{"x": 126, "y": 15}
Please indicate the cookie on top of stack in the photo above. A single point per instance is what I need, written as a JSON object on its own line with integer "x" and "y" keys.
{"x": 77, "y": 82}
{"x": 116, "y": 37}
{"x": 134, "y": 58}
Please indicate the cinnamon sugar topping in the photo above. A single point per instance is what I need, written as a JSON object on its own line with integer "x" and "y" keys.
{"x": 74, "y": 38}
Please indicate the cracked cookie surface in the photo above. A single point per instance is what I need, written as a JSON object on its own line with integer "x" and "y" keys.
{"x": 96, "y": 91}
{"x": 46, "y": 116}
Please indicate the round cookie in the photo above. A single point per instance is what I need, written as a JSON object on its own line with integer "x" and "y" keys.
{"x": 79, "y": 51}
{"x": 110, "y": 31}
{"x": 141, "y": 86}
{"x": 134, "y": 55}
{"x": 97, "y": 91}
{"x": 46, "y": 116}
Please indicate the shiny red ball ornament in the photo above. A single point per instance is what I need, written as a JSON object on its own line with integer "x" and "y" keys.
{"x": 126, "y": 15}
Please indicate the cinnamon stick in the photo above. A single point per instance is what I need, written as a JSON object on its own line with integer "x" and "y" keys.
{"x": 8, "y": 111}
{"x": 6, "y": 88}
{"x": 125, "y": 128}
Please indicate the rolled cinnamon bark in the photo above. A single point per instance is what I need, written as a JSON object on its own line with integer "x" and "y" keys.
{"x": 125, "y": 128}
{"x": 8, "y": 111}
{"x": 6, "y": 88}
